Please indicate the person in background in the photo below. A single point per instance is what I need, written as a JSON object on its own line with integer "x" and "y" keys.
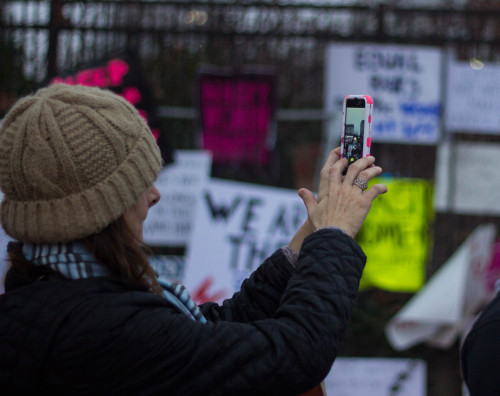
{"x": 84, "y": 313}
{"x": 480, "y": 352}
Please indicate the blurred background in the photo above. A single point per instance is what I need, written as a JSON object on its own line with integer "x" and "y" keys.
{"x": 169, "y": 43}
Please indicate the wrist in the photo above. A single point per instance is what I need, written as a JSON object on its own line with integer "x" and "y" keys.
{"x": 305, "y": 229}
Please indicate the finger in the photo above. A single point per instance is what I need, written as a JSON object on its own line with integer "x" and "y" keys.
{"x": 333, "y": 157}
{"x": 354, "y": 170}
{"x": 335, "y": 175}
{"x": 374, "y": 191}
{"x": 370, "y": 172}
{"x": 308, "y": 198}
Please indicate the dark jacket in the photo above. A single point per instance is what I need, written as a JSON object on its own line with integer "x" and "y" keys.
{"x": 480, "y": 354}
{"x": 278, "y": 336}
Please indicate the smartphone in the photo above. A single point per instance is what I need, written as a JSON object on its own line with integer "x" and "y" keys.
{"x": 356, "y": 127}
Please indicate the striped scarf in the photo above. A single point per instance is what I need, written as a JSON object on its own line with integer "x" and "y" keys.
{"x": 73, "y": 261}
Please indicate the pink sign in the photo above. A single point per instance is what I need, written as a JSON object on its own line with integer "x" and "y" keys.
{"x": 237, "y": 115}
{"x": 122, "y": 75}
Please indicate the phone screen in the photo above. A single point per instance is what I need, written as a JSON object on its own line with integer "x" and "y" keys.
{"x": 354, "y": 129}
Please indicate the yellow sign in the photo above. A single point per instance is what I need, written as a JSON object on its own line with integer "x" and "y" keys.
{"x": 395, "y": 236}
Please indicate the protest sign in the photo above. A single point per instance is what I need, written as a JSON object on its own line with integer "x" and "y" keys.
{"x": 170, "y": 221}
{"x": 168, "y": 267}
{"x": 237, "y": 226}
{"x": 472, "y": 98}
{"x": 377, "y": 377}
{"x": 456, "y": 292}
{"x": 468, "y": 178}
{"x": 404, "y": 82}
{"x": 122, "y": 75}
{"x": 395, "y": 236}
{"x": 237, "y": 114}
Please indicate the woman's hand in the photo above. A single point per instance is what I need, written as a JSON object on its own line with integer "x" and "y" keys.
{"x": 340, "y": 202}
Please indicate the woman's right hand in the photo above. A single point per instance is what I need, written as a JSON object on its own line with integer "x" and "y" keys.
{"x": 343, "y": 204}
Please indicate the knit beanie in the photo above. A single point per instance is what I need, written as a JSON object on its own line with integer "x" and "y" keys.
{"x": 72, "y": 160}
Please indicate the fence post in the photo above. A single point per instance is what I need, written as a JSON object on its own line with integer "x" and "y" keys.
{"x": 55, "y": 23}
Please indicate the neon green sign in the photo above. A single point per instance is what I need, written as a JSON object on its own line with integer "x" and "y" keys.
{"x": 395, "y": 236}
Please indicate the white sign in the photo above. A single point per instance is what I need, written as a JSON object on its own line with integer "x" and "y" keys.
{"x": 472, "y": 98}
{"x": 168, "y": 267}
{"x": 237, "y": 226}
{"x": 468, "y": 178}
{"x": 169, "y": 222}
{"x": 404, "y": 82}
{"x": 443, "y": 309}
{"x": 377, "y": 377}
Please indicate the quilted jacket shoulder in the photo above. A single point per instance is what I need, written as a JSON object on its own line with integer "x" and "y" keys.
{"x": 278, "y": 336}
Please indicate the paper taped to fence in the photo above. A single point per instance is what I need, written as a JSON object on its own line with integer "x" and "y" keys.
{"x": 395, "y": 236}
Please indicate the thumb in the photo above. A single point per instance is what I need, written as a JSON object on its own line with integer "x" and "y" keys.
{"x": 308, "y": 198}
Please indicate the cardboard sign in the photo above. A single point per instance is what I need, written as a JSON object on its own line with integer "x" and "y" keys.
{"x": 377, "y": 377}
{"x": 395, "y": 236}
{"x": 237, "y": 226}
{"x": 237, "y": 115}
{"x": 404, "y": 82}
{"x": 170, "y": 221}
{"x": 472, "y": 98}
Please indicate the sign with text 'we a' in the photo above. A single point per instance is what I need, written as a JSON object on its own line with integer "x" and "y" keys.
{"x": 395, "y": 236}
{"x": 238, "y": 225}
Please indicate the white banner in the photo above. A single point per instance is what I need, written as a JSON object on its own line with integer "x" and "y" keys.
{"x": 169, "y": 222}
{"x": 237, "y": 226}
{"x": 377, "y": 377}
{"x": 404, "y": 82}
{"x": 472, "y": 98}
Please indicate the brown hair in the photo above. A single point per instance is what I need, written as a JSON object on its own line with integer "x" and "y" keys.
{"x": 117, "y": 248}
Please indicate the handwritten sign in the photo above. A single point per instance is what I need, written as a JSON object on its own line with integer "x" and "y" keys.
{"x": 237, "y": 115}
{"x": 470, "y": 186}
{"x": 168, "y": 267}
{"x": 237, "y": 226}
{"x": 472, "y": 98}
{"x": 404, "y": 82}
{"x": 377, "y": 377}
{"x": 170, "y": 221}
{"x": 395, "y": 236}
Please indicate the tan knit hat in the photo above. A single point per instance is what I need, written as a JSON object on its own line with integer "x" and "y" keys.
{"x": 72, "y": 160}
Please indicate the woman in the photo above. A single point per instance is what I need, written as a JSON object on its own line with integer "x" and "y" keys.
{"x": 83, "y": 312}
